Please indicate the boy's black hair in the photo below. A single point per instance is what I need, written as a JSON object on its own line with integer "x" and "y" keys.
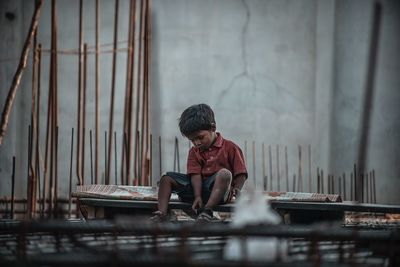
{"x": 196, "y": 118}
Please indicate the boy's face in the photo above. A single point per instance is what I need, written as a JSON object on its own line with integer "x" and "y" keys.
{"x": 202, "y": 139}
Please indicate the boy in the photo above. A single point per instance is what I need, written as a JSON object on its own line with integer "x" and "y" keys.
{"x": 216, "y": 170}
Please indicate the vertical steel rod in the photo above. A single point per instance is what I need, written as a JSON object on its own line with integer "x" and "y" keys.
{"x": 270, "y": 167}
{"x": 12, "y": 188}
{"x": 278, "y": 175}
{"x": 300, "y": 177}
{"x": 254, "y": 162}
{"x": 79, "y": 113}
{"x": 160, "y": 155}
{"x": 91, "y": 157}
{"x": 263, "y": 167}
{"x": 112, "y": 99}
{"x": 84, "y": 94}
{"x": 97, "y": 96}
{"x": 309, "y": 169}
{"x": 286, "y": 169}
{"x": 115, "y": 158}
{"x": 70, "y": 174}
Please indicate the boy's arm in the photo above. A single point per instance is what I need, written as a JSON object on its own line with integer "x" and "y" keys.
{"x": 196, "y": 184}
{"x": 237, "y": 184}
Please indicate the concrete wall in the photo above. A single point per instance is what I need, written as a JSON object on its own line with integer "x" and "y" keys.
{"x": 282, "y": 73}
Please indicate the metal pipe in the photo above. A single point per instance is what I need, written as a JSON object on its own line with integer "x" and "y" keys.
{"x": 21, "y": 66}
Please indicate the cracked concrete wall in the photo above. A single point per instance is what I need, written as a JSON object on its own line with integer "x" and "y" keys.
{"x": 276, "y": 72}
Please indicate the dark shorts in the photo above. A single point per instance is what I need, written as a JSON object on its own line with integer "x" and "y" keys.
{"x": 186, "y": 193}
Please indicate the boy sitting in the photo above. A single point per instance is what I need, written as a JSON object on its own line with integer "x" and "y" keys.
{"x": 216, "y": 169}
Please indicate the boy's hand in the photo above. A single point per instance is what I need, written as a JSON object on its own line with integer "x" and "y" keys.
{"x": 197, "y": 203}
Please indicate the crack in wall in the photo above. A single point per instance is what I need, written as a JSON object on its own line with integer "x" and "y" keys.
{"x": 245, "y": 73}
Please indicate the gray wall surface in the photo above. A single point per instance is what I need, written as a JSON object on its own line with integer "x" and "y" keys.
{"x": 283, "y": 73}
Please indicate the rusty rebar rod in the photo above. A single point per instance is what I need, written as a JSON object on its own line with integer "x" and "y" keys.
{"x": 115, "y": 158}
{"x": 344, "y": 187}
{"x": 270, "y": 167}
{"x": 97, "y": 94}
{"x": 322, "y": 181}
{"x": 263, "y": 166}
{"x": 309, "y": 169}
{"x": 148, "y": 82}
{"x": 79, "y": 113}
{"x": 129, "y": 91}
{"x": 112, "y": 99}
{"x": 29, "y": 175}
{"x": 91, "y": 157}
{"x": 253, "y": 149}
{"x": 300, "y": 177}
{"x": 139, "y": 90}
{"x": 37, "y": 148}
{"x": 286, "y": 169}
{"x": 278, "y": 175}
{"x": 12, "y": 187}
{"x": 151, "y": 161}
{"x": 160, "y": 154}
{"x": 143, "y": 138}
{"x": 21, "y": 66}
{"x": 84, "y": 94}
{"x": 56, "y": 173}
{"x": 32, "y": 163}
{"x": 70, "y": 173}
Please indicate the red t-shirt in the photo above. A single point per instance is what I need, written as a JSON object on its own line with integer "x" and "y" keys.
{"x": 222, "y": 154}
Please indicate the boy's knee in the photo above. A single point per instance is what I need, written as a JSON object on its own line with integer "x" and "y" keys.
{"x": 224, "y": 175}
{"x": 165, "y": 179}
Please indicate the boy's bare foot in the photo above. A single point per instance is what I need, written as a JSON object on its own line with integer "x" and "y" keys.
{"x": 206, "y": 215}
{"x": 159, "y": 216}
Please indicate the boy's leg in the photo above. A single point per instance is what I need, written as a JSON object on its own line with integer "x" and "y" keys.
{"x": 221, "y": 186}
{"x": 164, "y": 192}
